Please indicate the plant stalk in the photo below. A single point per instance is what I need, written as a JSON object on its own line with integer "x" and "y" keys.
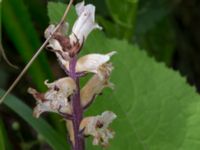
{"x": 77, "y": 115}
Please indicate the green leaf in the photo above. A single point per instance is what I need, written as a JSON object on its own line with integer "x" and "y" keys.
{"x": 156, "y": 108}
{"x": 119, "y": 9}
{"x": 159, "y": 41}
{"x": 150, "y": 12}
{"x": 4, "y": 141}
{"x": 18, "y": 26}
{"x": 124, "y": 14}
{"x": 57, "y": 13}
{"x": 52, "y": 137}
{"x": 2, "y": 138}
{"x": 40, "y": 16}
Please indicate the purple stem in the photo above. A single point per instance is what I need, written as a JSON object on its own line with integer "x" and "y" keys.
{"x": 77, "y": 115}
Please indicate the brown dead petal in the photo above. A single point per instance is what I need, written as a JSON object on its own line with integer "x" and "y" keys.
{"x": 96, "y": 84}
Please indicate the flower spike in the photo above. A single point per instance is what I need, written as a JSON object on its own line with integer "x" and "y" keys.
{"x": 66, "y": 96}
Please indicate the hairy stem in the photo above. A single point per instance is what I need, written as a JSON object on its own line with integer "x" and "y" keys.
{"x": 77, "y": 108}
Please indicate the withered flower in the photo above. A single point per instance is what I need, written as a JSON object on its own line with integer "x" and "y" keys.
{"x": 96, "y": 84}
{"x": 97, "y": 127}
{"x": 56, "y": 99}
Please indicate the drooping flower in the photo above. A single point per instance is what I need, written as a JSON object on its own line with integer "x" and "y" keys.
{"x": 96, "y": 84}
{"x": 97, "y": 127}
{"x": 84, "y": 24}
{"x": 56, "y": 99}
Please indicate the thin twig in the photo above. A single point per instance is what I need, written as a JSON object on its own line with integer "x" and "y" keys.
{"x": 37, "y": 53}
{"x": 2, "y": 52}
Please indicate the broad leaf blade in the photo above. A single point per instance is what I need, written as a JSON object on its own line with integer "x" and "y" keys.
{"x": 124, "y": 14}
{"x": 156, "y": 108}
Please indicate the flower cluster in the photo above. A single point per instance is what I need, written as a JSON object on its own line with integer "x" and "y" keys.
{"x": 61, "y": 94}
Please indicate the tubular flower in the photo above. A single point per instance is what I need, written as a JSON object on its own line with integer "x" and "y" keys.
{"x": 84, "y": 24}
{"x": 90, "y": 62}
{"x": 96, "y": 84}
{"x": 98, "y": 127}
{"x": 56, "y": 99}
{"x": 66, "y": 46}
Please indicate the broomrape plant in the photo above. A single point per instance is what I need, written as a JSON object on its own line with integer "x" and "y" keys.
{"x": 65, "y": 96}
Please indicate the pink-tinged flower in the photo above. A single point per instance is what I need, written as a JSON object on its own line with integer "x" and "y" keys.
{"x": 97, "y": 127}
{"x": 90, "y": 62}
{"x": 56, "y": 99}
{"x": 96, "y": 84}
{"x": 84, "y": 24}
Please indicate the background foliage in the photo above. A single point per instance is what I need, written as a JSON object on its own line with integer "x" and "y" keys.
{"x": 156, "y": 108}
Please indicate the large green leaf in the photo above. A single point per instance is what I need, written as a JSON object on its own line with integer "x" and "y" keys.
{"x": 52, "y": 137}
{"x": 119, "y": 9}
{"x": 56, "y": 14}
{"x": 156, "y": 108}
{"x": 159, "y": 41}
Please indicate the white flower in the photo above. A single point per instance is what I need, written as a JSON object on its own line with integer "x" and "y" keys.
{"x": 96, "y": 84}
{"x": 84, "y": 24}
{"x": 98, "y": 127}
{"x": 63, "y": 87}
{"x": 90, "y": 62}
{"x": 70, "y": 46}
{"x": 56, "y": 98}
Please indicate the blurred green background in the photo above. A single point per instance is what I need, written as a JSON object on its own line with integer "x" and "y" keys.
{"x": 167, "y": 29}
